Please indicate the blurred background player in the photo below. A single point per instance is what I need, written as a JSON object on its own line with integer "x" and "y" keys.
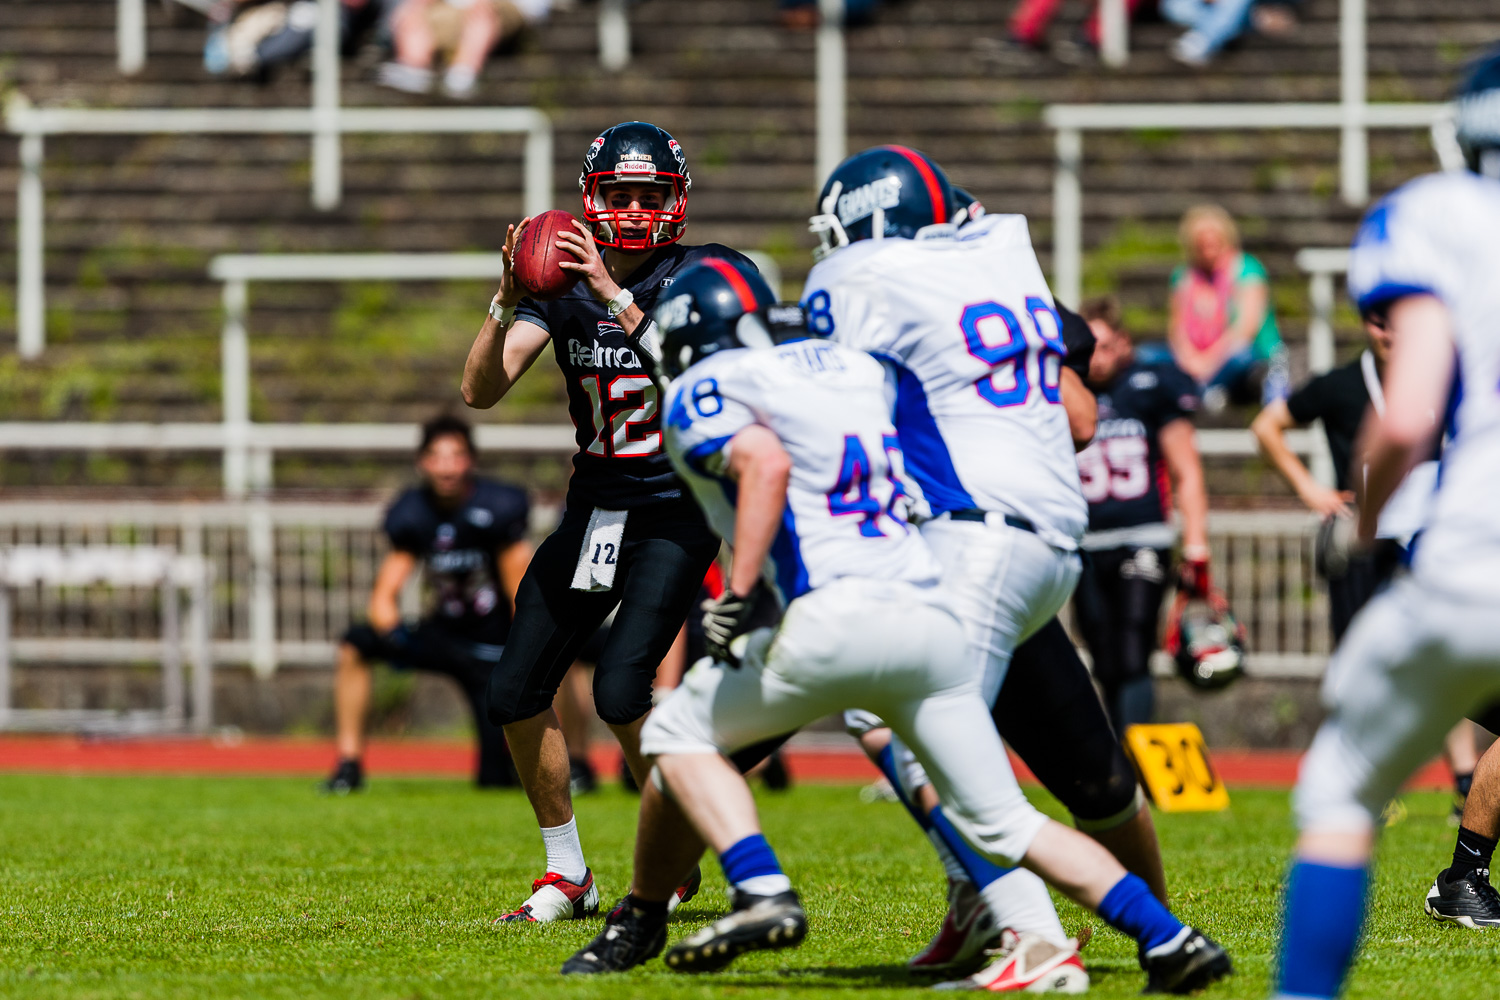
{"x": 1425, "y": 651}
{"x": 1144, "y": 446}
{"x": 628, "y": 539}
{"x": 468, "y": 534}
{"x": 1340, "y": 399}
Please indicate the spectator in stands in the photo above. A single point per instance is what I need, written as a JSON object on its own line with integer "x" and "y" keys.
{"x": 1222, "y": 329}
{"x": 1028, "y": 31}
{"x": 465, "y": 32}
{"x": 469, "y": 535}
{"x": 252, "y": 37}
{"x": 1211, "y": 24}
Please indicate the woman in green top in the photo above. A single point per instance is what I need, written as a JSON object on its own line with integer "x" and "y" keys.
{"x": 1222, "y": 329}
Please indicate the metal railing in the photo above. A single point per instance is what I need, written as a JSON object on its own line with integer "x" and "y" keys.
{"x": 1070, "y": 121}
{"x": 156, "y": 573}
{"x": 32, "y": 124}
{"x": 289, "y": 578}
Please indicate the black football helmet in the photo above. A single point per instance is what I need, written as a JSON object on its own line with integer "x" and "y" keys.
{"x": 966, "y": 207}
{"x": 1478, "y": 124}
{"x": 1205, "y": 641}
{"x": 886, "y": 191}
{"x": 719, "y": 305}
{"x": 636, "y": 153}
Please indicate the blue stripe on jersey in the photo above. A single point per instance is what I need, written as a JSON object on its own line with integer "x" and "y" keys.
{"x": 698, "y": 456}
{"x": 1390, "y": 292}
{"x": 786, "y": 553}
{"x": 925, "y": 452}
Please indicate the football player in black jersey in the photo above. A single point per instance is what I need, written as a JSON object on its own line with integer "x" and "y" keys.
{"x": 1143, "y": 447}
{"x": 469, "y": 533}
{"x": 629, "y": 537}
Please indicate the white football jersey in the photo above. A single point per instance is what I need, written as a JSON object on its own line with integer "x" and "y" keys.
{"x": 1440, "y": 234}
{"x": 828, "y": 405}
{"x": 967, "y": 323}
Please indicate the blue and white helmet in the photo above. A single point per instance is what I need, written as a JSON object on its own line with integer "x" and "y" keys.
{"x": 881, "y": 193}
{"x": 1478, "y": 124}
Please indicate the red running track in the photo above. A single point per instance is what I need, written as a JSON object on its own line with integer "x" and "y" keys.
{"x": 306, "y": 756}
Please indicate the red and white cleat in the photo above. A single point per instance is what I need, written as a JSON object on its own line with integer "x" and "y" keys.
{"x": 1027, "y": 963}
{"x": 968, "y": 929}
{"x": 555, "y": 898}
{"x": 686, "y": 890}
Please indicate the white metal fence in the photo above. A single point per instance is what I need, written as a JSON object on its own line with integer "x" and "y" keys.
{"x": 323, "y": 123}
{"x": 289, "y": 577}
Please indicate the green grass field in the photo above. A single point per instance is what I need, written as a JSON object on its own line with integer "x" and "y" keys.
{"x": 237, "y": 887}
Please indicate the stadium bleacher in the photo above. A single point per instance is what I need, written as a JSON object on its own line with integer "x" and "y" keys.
{"x": 132, "y": 221}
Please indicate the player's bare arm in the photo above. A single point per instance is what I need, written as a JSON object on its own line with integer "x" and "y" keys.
{"x": 1270, "y": 427}
{"x": 1421, "y": 369}
{"x": 596, "y": 274}
{"x": 513, "y": 560}
{"x": 761, "y": 466}
{"x": 504, "y": 348}
{"x": 1179, "y": 447}
{"x": 385, "y": 610}
{"x": 1082, "y": 408}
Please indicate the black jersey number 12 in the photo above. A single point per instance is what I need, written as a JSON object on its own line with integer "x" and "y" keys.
{"x": 607, "y": 550}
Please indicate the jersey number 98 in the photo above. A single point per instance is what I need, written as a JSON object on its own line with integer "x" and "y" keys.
{"x": 1009, "y": 382}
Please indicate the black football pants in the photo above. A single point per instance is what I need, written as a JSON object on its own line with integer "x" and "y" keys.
{"x": 664, "y": 554}
{"x": 1118, "y": 603}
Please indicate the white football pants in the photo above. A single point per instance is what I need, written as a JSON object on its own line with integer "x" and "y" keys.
{"x": 887, "y": 647}
{"x": 1412, "y": 664}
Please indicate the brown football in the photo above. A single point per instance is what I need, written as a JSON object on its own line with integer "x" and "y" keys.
{"x": 537, "y": 254}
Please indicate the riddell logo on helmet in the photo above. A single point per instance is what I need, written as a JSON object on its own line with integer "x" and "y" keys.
{"x": 861, "y": 202}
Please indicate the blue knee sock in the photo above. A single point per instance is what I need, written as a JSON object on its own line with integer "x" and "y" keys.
{"x": 887, "y": 764}
{"x": 981, "y": 870}
{"x": 1130, "y": 909}
{"x": 751, "y": 865}
{"x": 1325, "y": 910}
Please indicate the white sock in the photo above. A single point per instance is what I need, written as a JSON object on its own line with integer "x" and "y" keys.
{"x": 949, "y": 859}
{"x": 564, "y": 852}
{"x": 765, "y": 885}
{"x": 1019, "y": 900}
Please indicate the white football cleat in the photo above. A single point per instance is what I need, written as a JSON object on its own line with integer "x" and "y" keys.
{"x": 1027, "y": 963}
{"x": 555, "y": 898}
{"x": 968, "y": 929}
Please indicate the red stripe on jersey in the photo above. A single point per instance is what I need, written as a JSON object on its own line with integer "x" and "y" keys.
{"x": 736, "y": 281}
{"x": 925, "y": 171}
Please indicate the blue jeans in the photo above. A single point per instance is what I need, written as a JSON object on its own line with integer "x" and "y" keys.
{"x": 1221, "y": 21}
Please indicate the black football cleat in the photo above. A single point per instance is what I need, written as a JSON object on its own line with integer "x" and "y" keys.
{"x": 581, "y": 777}
{"x": 1194, "y": 961}
{"x": 757, "y": 923}
{"x": 348, "y": 777}
{"x": 1465, "y": 898}
{"x": 630, "y": 937}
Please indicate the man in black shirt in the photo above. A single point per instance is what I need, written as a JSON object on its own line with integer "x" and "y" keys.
{"x": 1340, "y": 398}
{"x": 1144, "y": 444}
{"x": 629, "y": 537}
{"x": 468, "y": 533}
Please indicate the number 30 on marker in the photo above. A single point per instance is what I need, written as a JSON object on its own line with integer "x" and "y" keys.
{"x": 1174, "y": 766}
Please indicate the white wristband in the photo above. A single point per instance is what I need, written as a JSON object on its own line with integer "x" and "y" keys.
{"x": 502, "y": 314}
{"x": 620, "y": 302}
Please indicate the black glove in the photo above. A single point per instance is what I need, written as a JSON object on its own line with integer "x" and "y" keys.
{"x": 726, "y": 618}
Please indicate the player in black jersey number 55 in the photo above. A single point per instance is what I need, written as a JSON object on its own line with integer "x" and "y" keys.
{"x": 628, "y": 538}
